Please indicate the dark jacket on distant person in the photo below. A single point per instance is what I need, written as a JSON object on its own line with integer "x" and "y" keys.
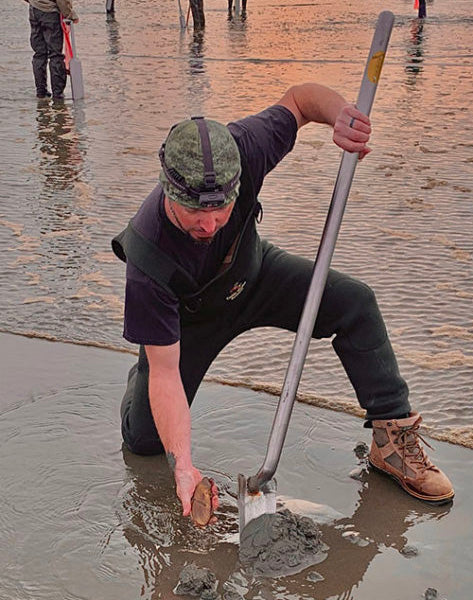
{"x": 61, "y": 6}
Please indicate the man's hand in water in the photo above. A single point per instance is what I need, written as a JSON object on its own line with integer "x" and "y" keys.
{"x": 186, "y": 482}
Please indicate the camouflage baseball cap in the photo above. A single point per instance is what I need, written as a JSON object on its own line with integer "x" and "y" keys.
{"x": 200, "y": 164}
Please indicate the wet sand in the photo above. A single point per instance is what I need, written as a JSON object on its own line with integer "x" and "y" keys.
{"x": 82, "y": 517}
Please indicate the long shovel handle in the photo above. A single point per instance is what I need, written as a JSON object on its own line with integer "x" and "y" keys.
{"x": 72, "y": 36}
{"x": 182, "y": 21}
{"x": 73, "y": 40}
{"x": 322, "y": 262}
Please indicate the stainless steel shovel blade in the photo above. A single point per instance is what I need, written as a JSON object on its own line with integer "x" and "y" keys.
{"x": 251, "y": 506}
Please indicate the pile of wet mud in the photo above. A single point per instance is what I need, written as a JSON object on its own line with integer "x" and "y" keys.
{"x": 281, "y": 544}
{"x": 197, "y": 581}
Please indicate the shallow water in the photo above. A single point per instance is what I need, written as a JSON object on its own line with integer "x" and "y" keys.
{"x": 73, "y": 175}
{"x": 83, "y": 518}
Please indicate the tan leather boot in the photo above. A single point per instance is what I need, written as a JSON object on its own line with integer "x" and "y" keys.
{"x": 396, "y": 450}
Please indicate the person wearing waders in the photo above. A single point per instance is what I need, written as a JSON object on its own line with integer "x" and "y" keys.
{"x": 47, "y": 40}
{"x": 198, "y": 275}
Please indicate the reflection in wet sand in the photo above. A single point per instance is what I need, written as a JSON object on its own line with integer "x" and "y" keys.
{"x": 113, "y": 31}
{"x": 373, "y": 528}
{"x": 61, "y": 159}
{"x": 415, "y": 50}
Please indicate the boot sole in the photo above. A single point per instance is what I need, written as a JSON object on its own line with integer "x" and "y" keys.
{"x": 437, "y": 500}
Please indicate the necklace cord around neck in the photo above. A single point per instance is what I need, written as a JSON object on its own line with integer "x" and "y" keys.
{"x": 179, "y": 224}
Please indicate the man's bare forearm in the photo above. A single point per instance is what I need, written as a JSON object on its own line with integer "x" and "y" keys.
{"x": 312, "y": 102}
{"x": 169, "y": 405}
{"x": 171, "y": 415}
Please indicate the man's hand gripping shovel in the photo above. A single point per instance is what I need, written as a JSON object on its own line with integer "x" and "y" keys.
{"x": 257, "y": 494}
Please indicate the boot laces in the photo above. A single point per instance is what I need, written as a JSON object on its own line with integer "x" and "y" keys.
{"x": 408, "y": 439}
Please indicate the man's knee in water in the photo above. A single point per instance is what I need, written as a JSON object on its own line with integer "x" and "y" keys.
{"x": 138, "y": 430}
{"x": 362, "y": 322}
{"x": 141, "y": 444}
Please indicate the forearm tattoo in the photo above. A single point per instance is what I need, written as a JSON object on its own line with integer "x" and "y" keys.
{"x": 171, "y": 461}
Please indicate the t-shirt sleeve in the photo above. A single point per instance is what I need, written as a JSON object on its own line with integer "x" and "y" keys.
{"x": 264, "y": 140}
{"x": 151, "y": 314}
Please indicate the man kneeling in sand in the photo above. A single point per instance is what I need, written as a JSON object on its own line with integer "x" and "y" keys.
{"x": 198, "y": 275}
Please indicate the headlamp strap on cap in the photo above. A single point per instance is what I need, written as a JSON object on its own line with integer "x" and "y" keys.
{"x": 210, "y": 178}
{"x": 211, "y": 195}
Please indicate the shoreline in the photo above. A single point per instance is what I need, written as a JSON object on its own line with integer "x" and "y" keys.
{"x": 454, "y": 436}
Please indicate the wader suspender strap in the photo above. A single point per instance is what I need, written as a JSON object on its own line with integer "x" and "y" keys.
{"x": 148, "y": 258}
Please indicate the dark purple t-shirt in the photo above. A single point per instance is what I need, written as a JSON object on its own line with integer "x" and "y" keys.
{"x": 152, "y": 314}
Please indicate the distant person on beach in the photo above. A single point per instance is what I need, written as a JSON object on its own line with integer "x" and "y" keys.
{"x": 47, "y": 40}
{"x": 198, "y": 275}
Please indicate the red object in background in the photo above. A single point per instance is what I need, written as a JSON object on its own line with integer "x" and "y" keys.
{"x": 67, "y": 43}
{"x": 416, "y": 4}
